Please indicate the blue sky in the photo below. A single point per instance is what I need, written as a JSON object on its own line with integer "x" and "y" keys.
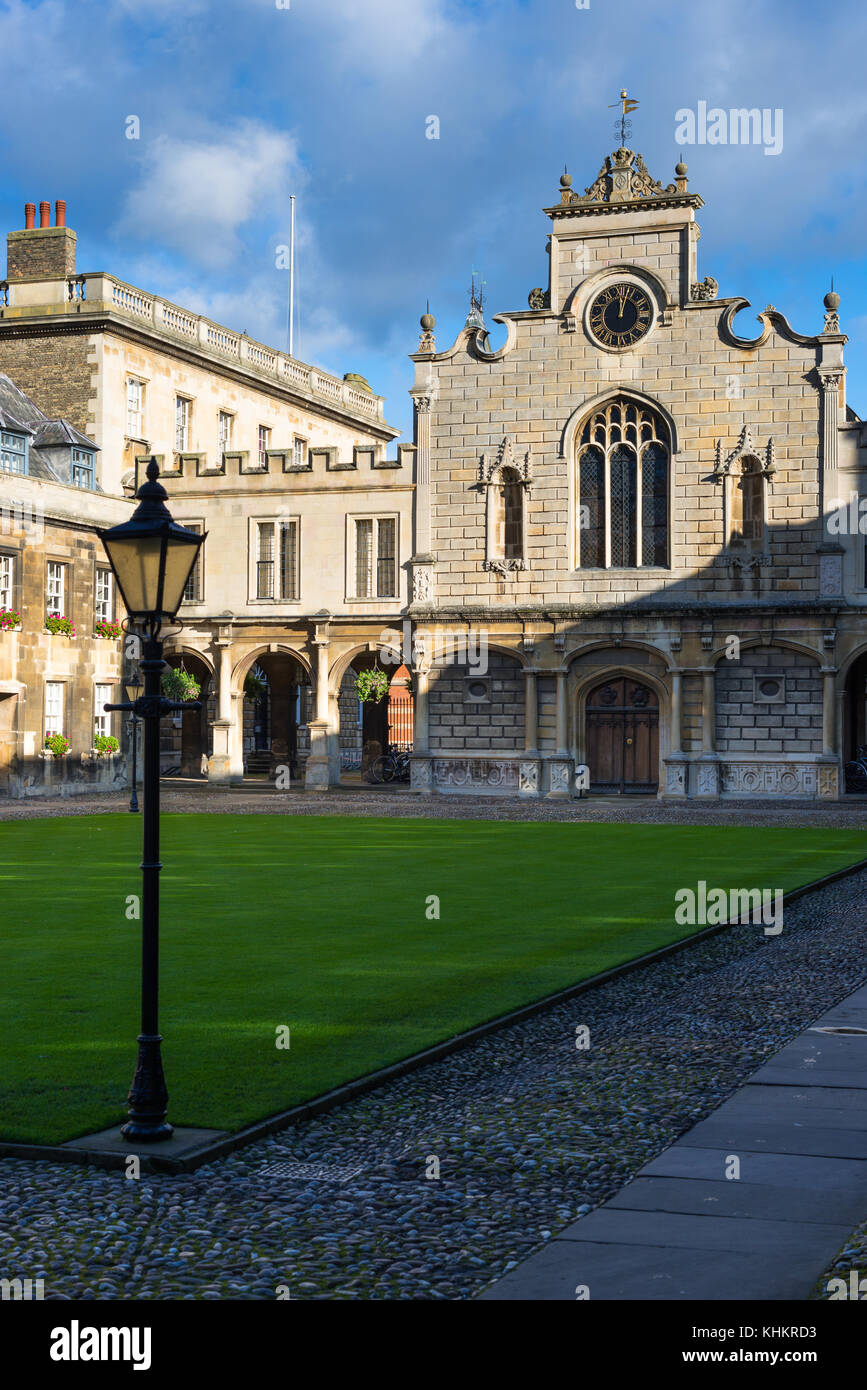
{"x": 243, "y": 102}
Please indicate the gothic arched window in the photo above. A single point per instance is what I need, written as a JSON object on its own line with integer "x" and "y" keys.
{"x": 747, "y": 517}
{"x": 512, "y": 505}
{"x": 622, "y": 484}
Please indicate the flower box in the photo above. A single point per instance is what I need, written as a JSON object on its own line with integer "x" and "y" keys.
{"x": 57, "y": 745}
{"x": 57, "y": 624}
{"x": 107, "y": 629}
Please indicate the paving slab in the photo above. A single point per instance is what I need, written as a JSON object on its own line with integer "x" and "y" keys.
{"x": 724, "y": 1198}
{"x": 786, "y": 1170}
{"x": 682, "y": 1229}
{"x": 709, "y": 1232}
{"x": 751, "y": 1134}
{"x": 780, "y": 1074}
{"x": 640, "y": 1272}
{"x": 806, "y": 1099}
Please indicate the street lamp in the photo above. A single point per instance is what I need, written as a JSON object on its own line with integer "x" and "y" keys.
{"x": 152, "y": 557}
{"x": 133, "y": 687}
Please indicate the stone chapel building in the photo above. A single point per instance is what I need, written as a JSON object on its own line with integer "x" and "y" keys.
{"x": 625, "y": 549}
{"x": 637, "y": 506}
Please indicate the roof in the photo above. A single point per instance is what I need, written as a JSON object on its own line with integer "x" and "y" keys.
{"x": 20, "y": 415}
{"x": 60, "y": 432}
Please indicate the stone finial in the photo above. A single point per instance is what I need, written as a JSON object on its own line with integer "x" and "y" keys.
{"x": 427, "y": 323}
{"x": 832, "y": 304}
{"x": 680, "y": 171}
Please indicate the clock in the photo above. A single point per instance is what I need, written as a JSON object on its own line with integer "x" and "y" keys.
{"x": 620, "y": 315}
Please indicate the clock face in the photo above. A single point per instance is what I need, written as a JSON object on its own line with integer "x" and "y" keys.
{"x": 620, "y": 315}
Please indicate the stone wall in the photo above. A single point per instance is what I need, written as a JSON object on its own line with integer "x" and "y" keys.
{"x": 57, "y": 371}
{"x": 494, "y": 723}
{"x": 745, "y": 724}
{"x": 30, "y": 656}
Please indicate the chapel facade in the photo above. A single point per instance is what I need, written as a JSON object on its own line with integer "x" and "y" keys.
{"x": 639, "y": 509}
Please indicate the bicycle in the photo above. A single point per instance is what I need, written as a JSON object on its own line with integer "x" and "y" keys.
{"x": 390, "y": 767}
{"x": 856, "y": 772}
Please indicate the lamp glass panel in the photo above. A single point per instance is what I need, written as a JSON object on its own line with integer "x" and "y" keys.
{"x": 136, "y": 563}
{"x": 180, "y": 558}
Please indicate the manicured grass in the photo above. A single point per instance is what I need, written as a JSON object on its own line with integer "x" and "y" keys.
{"x": 321, "y": 924}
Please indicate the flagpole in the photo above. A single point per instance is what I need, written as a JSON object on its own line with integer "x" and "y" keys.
{"x": 292, "y": 274}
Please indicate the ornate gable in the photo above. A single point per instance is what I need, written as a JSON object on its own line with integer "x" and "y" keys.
{"x": 623, "y": 177}
{"x": 624, "y": 182}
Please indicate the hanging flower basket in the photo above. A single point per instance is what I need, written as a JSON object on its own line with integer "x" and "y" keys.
{"x": 371, "y": 686}
{"x": 9, "y": 619}
{"x": 105, "y": 743}
{"x": 254, "y": 687}
{"x": 56, "y": 623}
{"x": 107, "y": 629}
{"x": 178, "y": 684}
{"x": 58, "y": 744}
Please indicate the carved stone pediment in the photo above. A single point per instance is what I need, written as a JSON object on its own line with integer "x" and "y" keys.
{"x": 745, "y": 447}
{"x": 505, "y": 457}
{"x": 624, "y": 177}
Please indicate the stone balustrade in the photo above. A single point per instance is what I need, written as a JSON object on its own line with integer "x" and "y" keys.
{"x": 96, "y": 292}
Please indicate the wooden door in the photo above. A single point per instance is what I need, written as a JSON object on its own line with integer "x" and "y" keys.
{"x": 623, "y": 737}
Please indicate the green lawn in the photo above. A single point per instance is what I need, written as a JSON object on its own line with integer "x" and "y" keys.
{"x": 320, "y": 923}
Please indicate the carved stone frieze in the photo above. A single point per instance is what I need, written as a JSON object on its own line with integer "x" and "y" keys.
{"x": 770, "y": 779}
{"x": 458, "y": 773}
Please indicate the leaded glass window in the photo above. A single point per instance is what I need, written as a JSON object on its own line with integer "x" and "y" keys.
{"x": 622, "y": 486}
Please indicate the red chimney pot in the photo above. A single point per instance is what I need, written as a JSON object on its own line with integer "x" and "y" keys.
{"x": 29, "y": 216}
{"x": 60, "y": 213}
{"x": 45, "y": 214}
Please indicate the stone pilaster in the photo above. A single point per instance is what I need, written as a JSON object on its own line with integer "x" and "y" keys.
{"x": 317, "y": 774}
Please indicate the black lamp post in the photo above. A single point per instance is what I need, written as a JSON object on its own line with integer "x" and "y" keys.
{"x": 152, "y": 557}
{"x": 133, "y": 687}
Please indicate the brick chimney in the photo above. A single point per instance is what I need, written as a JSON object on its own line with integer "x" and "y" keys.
{"x": 43, "y": 252}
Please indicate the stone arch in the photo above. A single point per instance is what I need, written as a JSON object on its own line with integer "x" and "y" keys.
{"x": 581, "y": 687}
{"x": 852, "y": 701}
{"x": 610, "y": 394}
{"x": 244, "y": 664}
{"x": 359, "y": 732}
{"x": 188, "y": 746}
{"x": 628, "y": 644}
{"x": 749, "y": 643}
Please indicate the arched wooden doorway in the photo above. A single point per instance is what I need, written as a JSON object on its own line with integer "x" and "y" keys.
{"x": 623, "y": 737}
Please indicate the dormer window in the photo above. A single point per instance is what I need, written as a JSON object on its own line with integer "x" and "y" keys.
{"x": 14, "y": 452}
{"x": 83, "y": 471}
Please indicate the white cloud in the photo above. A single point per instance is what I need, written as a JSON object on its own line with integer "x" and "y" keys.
{"x": 195, "y": 194}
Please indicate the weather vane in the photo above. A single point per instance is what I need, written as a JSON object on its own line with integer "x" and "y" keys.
{"x": 477, "y": 297}
{"x": 623, "y": 127}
